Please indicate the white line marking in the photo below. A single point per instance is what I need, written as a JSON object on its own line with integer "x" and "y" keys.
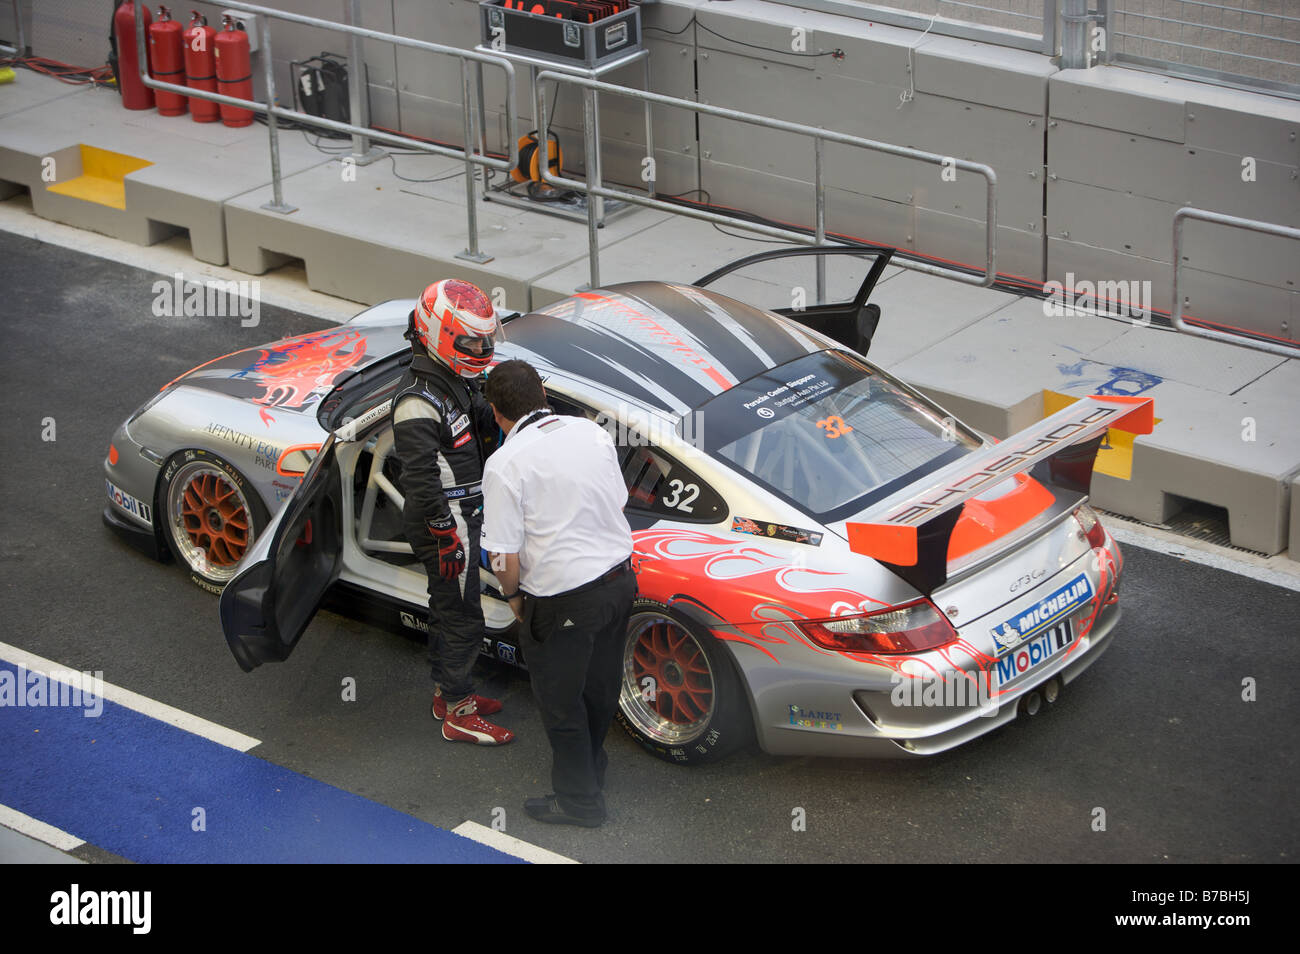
{"x": 34, "y": 828}
{"x": 510, "y": 844}
{"x": 133, "y": 700}
{"x": 1278, "y": 571}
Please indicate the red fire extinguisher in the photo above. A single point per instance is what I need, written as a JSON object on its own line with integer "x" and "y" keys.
{"x": 234, "y": 71}
{"x": 200, "y": 66}
{"x": 135, "y": 95}
{"x": 165, "y": 60}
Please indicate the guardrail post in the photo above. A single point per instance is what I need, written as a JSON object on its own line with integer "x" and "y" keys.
{"x": 1049, "y": 28}
{"x": 472, "y": 252}
{"x": 1075, "y": 54}
{"x": 20, "y": 39}
{"x": 820, "y": 233}
{"x": 650, "y": 136}
{"x": 277, "y": 203}
{"x": 358, "y": 108}
{"x": 592, "y": 146}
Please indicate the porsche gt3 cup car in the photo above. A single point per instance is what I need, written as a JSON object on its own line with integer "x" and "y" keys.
{"x": 827, "y": 561}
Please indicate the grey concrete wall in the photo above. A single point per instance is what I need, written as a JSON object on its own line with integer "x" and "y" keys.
{"x": 1091, "y": 164}
{"x": 1127, "y": 149}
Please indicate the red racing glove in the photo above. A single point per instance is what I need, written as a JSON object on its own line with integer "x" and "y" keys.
{"x": 451, "y": 552}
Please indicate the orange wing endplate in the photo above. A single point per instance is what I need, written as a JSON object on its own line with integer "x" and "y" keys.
{"x": 887, "y": 542}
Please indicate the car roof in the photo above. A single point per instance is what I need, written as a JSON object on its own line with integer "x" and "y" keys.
{"x": 667, "y": 347}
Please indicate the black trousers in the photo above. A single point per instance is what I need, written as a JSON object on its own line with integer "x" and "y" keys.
{"x": 577, "y": 672}
{"x": 455, "y": 606}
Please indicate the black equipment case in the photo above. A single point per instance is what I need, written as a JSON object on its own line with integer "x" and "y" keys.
{"x": 553, "y": 35}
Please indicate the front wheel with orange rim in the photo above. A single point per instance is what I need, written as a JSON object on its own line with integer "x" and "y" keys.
{"x": 212, "y": 516}
{"x": 681, "y": 697}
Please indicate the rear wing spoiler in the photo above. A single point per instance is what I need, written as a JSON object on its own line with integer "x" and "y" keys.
{"x": 909, "y": 531}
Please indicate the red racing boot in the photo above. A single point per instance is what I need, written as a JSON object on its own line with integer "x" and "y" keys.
{"x": 464, "y": 724}
{"x": 483, "y": 704}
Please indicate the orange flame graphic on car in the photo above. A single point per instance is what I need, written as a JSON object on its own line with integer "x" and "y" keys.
{"x": 291, "y": 370}
{"x": 741, "y": 583}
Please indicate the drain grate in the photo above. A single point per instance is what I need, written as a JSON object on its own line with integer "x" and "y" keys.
{"x": 1196, "y": 521}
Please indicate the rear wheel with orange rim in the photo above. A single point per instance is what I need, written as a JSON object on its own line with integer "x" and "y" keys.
{"x": 681, "y": 697}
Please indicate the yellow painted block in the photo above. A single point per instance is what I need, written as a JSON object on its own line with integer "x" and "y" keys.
{"x": 1115, "y": 456}
{"x": 103, "y": 177}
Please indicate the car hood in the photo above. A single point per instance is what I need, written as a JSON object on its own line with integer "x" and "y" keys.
{"x": 293, "y": 374}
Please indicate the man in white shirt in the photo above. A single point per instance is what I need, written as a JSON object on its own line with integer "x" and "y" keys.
{"x": 553, "y": 498}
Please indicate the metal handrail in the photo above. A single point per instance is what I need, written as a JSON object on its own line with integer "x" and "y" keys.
{"x": 820, "y": 136}
{"x": 1218, "y": 218}
{"x": 272, "y": 111}
{"x": 881, "y": 11}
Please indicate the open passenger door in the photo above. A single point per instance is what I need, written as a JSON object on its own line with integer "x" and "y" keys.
{"x": 852, "y": 323}
{"x": 268, "y": 604}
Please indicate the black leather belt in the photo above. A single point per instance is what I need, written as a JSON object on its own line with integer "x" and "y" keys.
{"x": 615, "y": 573}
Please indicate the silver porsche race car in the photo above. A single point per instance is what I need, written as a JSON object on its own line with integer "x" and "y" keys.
{"x": 828, "y": 562}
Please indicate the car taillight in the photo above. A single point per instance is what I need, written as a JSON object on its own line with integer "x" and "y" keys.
{"x": 913, "y": 628}
{"x": 1091, "y": 526}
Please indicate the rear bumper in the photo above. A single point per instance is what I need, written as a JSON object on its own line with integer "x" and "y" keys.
{"x": 856, "y": 733}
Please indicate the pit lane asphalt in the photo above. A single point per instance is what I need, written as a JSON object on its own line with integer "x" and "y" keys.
{"x": 1156, "y": 732}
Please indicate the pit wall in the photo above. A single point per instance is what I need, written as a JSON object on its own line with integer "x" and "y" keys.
{"x": 1091, "y": 164}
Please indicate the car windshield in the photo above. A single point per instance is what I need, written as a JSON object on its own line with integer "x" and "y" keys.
{"x": 830, "y": 434}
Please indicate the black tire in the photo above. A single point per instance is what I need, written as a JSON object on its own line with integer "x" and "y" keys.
{"x": 210, "y": 516}
{"x": 682, "y": 699}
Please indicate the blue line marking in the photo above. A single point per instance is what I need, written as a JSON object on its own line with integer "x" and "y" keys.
{"x": 129, "y": 784}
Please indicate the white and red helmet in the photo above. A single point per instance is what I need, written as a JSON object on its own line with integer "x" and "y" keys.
{"x": 456, "y": 323}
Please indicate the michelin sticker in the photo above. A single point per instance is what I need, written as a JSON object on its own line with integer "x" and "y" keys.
{"x": 1037, "y": 617}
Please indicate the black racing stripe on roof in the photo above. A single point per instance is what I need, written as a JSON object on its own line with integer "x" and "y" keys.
{"x": 729, "y": 352}
{"x": 575, "y": 348}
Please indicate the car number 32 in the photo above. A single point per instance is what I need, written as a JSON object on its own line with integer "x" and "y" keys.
{"x": 677, "y": 501}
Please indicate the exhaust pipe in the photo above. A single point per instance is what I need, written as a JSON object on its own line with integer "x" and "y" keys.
{"x": 1031, "y": 703}
{"x": 1052, "y": 690}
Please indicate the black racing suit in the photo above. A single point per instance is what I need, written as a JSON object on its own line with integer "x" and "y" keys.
{"x": 443, "y": 430}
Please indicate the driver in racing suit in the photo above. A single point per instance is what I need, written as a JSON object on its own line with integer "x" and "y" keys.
{"x": 443, "y": 429}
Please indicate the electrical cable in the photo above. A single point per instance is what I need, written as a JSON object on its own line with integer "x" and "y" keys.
{"x": 64, "y": 72}
{"x": 909, "y": 94}
{"x": 836, "y": 53}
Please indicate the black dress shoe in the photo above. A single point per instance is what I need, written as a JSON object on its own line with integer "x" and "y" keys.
{"x": 546, "y": 808}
